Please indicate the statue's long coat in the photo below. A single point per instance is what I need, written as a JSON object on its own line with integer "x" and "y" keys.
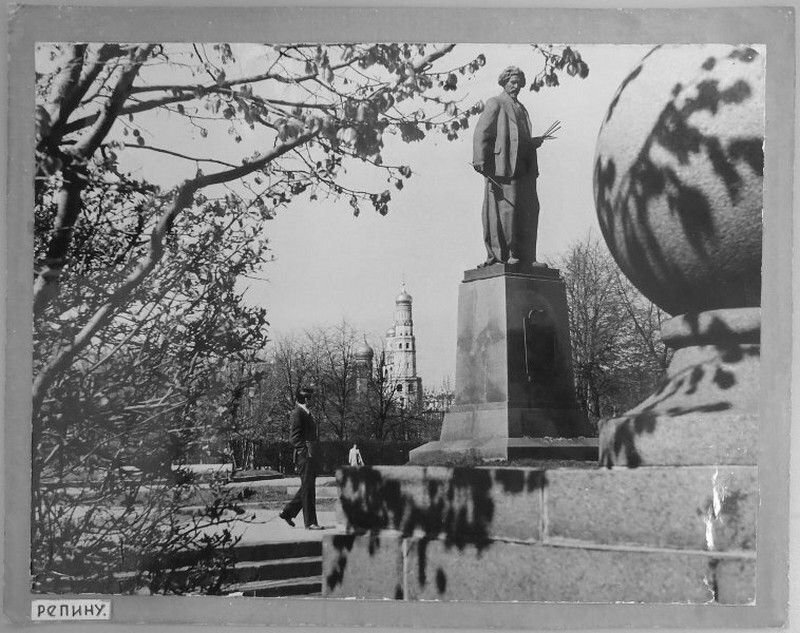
{"x": 502, "y": 151}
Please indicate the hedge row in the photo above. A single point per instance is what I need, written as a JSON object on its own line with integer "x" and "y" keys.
{"x": 332, "y": 454}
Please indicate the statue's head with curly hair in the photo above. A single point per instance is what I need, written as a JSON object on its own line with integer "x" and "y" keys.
{"x": 509, "y": 73}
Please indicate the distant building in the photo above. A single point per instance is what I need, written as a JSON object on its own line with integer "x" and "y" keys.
{"x": 364, "y": 356}
{"x": 401, "y": 354}
{"x": 439, "y": 401}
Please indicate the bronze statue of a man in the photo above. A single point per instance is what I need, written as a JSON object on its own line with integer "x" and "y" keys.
{"x": 505, "y": 153}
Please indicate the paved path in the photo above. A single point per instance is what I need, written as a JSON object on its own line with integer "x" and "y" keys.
{"x": 283, "y": 482}
{"x": 269, "y": 528}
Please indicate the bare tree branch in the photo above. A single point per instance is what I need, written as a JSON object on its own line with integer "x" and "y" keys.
{"x": 91, "y": 69}
{"x": 194, "y": 159}
{"x": 106, "y": 117}
{"x": 65, "y": 82}
{"x": 189, "y": 92}
{"x": 282, "y": 78}
{"x": 183, "y": 198}
{"x": 75, "y": 179}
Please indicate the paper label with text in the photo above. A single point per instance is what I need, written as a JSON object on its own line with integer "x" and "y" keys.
{"x": 68, "y": 609}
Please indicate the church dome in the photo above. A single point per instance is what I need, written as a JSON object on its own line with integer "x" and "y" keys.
{"x": 390, "y": 332}
{"x": 364, "y": 352}
{"x": 403, "y": 297}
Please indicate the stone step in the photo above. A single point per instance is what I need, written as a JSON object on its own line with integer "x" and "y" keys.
{"x": 251, "y": 571}
{"x": 274, "y": 569}
{"x": 287, "y": 576}
{"x": 258, "y": 552}
{"x": 577, "y": 448}
{"x": 256, "y": 571}
{"x": 265, "y": 569}
{"x": 256, "y": 475}
{"x": 324, "y": 501}
{"x": 322, "y": 492}
{"x": 452, "y": 450}
{"x": 277, "y": 569}
{"x": 278, "y": 551}
{"x": 275, "y": 588}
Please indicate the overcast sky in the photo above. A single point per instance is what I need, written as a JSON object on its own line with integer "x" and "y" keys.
{"x": 331, "y": 266}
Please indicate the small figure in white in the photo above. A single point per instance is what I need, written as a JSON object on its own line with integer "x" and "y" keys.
{"x": 354, "y": 457}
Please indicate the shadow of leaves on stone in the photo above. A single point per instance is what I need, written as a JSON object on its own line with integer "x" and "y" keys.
{"x": 731, "y": 504}
{"x": 441, "y": 581}
{"x": 515, "y": 481}
{"x": 723, "y": 378}
{"x": 694, "y": 379}
{"x": 732, "y": 348}
{"x": 478, "y": 345}
{"x": 624, "y": 444}
{"x": 342, "y": 543}
{"x": 733, "y": 529}
{"x": 625, "y": 218}
{"x": 453, "y": 506}
{"x": 728, "y": 341}
{"x": 631, "y": 76}
{"x": 626, "y": 430}
{"x": 703, "y": 408}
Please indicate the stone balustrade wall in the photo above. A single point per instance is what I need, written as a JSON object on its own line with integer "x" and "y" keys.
{"x": 660, "y": 534}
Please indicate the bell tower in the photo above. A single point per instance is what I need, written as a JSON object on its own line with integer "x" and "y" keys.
{"x": 401, "y": 353}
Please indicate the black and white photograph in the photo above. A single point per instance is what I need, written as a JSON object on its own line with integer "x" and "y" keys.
{"x": 443, "y": 322}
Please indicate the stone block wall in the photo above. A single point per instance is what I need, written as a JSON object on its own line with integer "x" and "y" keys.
{"x": 663, "y": 535}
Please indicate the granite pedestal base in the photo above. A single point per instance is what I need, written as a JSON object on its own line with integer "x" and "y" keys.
{"x": 660, "y": 535}
{"x": 706, "y": 410}
{"x": 515, "y": 394}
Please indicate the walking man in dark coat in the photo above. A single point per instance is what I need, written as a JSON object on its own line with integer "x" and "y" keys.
{"x": 505, "y": 153}
{"x": 304, "y": 440}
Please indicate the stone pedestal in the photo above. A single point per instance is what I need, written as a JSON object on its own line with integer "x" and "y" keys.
{"x": 515, "y": 394}
{"x": 706, "y": 410}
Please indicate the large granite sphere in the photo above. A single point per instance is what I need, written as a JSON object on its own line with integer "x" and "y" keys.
{"x": 678, "y": 176}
